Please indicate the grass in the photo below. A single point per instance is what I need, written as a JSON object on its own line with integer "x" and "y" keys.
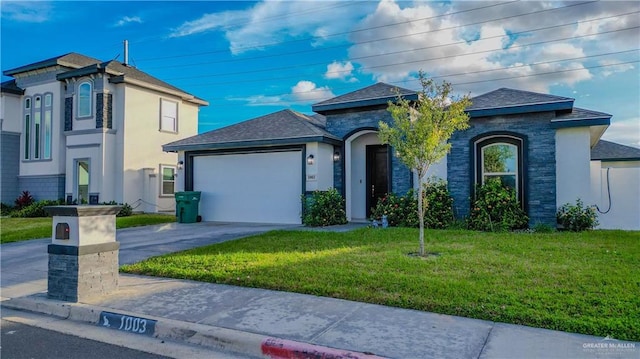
{"x": 578, "y": 282}
{"x": 21, "y": 229}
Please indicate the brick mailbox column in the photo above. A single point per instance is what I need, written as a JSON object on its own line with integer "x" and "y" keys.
{"x": 83, "y": 254}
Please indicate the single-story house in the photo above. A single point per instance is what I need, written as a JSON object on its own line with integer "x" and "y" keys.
{"x": 257, "y": 170}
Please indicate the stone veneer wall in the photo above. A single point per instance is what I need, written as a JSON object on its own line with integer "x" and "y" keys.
{"x": 76, "y": 276}
{"x": 43, "y": 187}
{"x": 9, "y": 166}
{"x": 344, "y": 123}
{"x": 540, "y": 174}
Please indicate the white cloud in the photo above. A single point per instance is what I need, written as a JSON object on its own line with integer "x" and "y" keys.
{"x": 303, "y": 92}
{"x": 307, "y": 91}
{"x": 127, "y": 20}
{"x": 532, "y": 60}
{"x": 271, "y": 22}
{"x": 626, "y": 132}
{"x": 29, "y": 11}
{"x": 340, "y": 70}
{"x": 614, "y": 66}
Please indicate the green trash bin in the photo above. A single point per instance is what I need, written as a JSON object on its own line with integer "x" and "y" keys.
{"x": 187, "y": 206}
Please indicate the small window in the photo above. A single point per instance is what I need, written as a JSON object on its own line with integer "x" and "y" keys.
{"x": 38, "y": 102}
{"x": 27, "y": 104}
{"x": 84, "y": 99}
{"x": 48, "y": 100}
{"x": 168, "y": 116}
{"x": 168, "y": 180}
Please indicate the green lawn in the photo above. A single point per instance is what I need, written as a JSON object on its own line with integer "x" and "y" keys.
{"x": 20, "y": 229}
{"x": 579, "y": 282}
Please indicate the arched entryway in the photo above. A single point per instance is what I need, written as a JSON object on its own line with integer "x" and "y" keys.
{"x": 367, "y": 173}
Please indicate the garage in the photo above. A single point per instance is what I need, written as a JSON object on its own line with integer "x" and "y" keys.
{"x": 262, "y": 187}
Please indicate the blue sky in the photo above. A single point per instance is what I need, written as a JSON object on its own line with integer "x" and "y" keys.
{"x": 252, "y": 58}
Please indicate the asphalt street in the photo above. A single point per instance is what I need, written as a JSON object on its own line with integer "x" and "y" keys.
{"x": 21, "y": 341}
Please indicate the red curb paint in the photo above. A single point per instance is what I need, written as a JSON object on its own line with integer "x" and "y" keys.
{"x": 286, "y": 349}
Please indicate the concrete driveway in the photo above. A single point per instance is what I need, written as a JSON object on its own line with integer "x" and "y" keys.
{"x": 24, "y": 265}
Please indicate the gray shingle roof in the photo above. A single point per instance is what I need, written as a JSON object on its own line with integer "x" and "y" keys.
{"x": 72, "y": 60}
{"x": 611, "y": 151}
{"x": 378, "y": 94}
{"x": 278, "y": 128}
{"x": 122, "y": 73}
{"x": 506, "y": 97}
{"x": 11, "y": 87}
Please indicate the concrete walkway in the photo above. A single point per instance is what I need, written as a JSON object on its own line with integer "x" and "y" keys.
{"x": 265, "y": 323}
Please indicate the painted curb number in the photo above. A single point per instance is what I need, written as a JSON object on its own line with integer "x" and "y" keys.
{"x": 127, "y": 323}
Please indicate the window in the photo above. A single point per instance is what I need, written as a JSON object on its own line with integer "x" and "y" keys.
{"x": 168, "y": 116}
{"x": 500, "y": 161}
{"x": 38, "y": 117}
{"x": 27, "y": 128}
{"x": 84, "y": 99}
{"x": 501, "y": 157}
{"x": 168, "y": 180}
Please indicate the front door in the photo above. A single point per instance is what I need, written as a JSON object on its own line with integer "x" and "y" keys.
{"x": 377, "y": 174}
{"x": 82, "y": 177}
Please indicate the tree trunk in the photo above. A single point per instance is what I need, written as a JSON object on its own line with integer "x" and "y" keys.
{"x": 421, "y": 217}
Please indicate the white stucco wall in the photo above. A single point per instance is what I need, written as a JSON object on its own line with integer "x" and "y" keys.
{"x": 437, "y": 170}
{"x": 356, "y": 176}
{"x": 573, "y": 173}
{"x": 623, "y": 189}
{"x": 319, "y": 175}
{"x": 10, "y": 112}
{"x": 143, "y": 140}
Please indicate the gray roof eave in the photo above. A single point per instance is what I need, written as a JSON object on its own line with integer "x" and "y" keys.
{"x": 251, "y": 143}
{"x": 360, "y": 103}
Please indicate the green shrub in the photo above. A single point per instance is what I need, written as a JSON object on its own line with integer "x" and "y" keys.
{"x": 577, "y": 217}
{"x": 126, "y": 210}
{"x": 543, "y": 228}
{"x": 36, "y": 209}
{"x": 402, "y": 211}
{"x": 439, "y": 204}
{"x": 323, "y": 208}
{"x": 496, "y": 208}
{"x": 5, "y": 209}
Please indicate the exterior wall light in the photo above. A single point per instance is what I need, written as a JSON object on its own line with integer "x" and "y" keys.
{"x": 180, "y": 164}
{"x": 336, "y": 156}
{"x": 310, "y": 159}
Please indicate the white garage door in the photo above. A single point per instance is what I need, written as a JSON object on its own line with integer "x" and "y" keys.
{"x": 255, "y": 187}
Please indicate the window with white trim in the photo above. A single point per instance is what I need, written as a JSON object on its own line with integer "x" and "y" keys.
{"x": 168, "y": 116}
{"x": 168, "y": 180}
{"x": 38, "y": 117}
{"x": 84, "y": 99}
{"x": 500, "y": 161}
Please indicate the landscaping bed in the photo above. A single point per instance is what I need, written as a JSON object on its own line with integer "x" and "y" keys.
{"x": 585, "y": 282}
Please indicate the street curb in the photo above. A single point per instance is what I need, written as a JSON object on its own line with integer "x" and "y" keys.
{"x": 217, "y": 338}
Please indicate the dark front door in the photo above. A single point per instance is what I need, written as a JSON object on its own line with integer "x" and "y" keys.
{"x": 377, "y": 174}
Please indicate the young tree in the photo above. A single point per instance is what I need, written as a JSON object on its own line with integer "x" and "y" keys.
{"x": 420, "y": 131}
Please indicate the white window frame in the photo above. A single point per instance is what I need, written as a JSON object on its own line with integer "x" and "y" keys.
{"x": 163, "y": 181}
{"x": 485, "y": 173}
{"x": 168, "y": 116}
{"x": 79, "y": 113}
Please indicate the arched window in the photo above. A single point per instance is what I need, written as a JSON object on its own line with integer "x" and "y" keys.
{"x": 84, "y": 99}
{"x": 501, "y": 157}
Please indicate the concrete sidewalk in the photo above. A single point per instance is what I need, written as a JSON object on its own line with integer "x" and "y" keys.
{"x": 256, "y": 322}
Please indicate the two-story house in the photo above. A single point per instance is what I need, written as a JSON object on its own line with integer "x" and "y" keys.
{"x": 89, "y": 131}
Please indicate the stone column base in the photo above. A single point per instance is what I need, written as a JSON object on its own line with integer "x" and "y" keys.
{"x": 76, "y": 273}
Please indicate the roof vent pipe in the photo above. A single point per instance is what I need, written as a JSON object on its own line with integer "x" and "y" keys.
{"x": 126, "y": 52}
